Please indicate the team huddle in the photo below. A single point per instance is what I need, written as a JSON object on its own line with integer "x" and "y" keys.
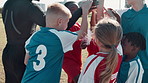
{"x": 117, "y": 48}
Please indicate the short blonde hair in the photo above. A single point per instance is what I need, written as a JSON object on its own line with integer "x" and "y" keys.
{"x": 58, "y": 9}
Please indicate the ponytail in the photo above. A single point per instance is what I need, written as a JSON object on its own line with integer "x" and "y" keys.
{"x": 109, "y": 33}
{"x": 111, "y": 63}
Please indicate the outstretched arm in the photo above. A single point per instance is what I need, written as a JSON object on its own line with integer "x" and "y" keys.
{"x": 75, "y": 17}
{"x": 93, "y": 20}
{"x": 100, "y": 10}
{"x": 86, "y": 40}
{"x": 84, "y": 24}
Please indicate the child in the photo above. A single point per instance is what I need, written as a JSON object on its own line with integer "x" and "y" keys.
{"x": 72, "y": 6}
{"x": 131, "y": 70}
{"x": 104, "y": 65}
{"x": 45, "y": 48}
{"x": 72, "y": 59}
{"x": 135, "y": 19}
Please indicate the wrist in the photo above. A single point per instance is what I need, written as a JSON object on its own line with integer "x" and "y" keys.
{"x": 84, "y": 11}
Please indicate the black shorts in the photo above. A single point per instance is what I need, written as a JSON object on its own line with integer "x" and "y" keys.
{"x": 13, "y": 62}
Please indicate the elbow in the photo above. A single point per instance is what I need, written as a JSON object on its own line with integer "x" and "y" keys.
{"x": 25, "y": 62}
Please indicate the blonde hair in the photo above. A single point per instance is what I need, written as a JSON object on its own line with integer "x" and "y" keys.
{"x": 109, "y": 33}
{"x": 57, "y": 9}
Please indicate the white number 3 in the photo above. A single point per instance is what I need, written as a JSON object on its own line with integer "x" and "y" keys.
{"x": 40, "y": 57}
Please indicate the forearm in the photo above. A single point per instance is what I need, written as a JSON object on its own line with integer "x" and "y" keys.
{"x": 93, "y": 21}
{"x": 26, "y": 58}
{"x": 84, "y": 26}
{"x": 84, "y": 23}
{"x": 100, "y": 10}
{"x": 75, "y": 17}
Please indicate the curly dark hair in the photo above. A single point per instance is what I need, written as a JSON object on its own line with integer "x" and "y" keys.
{"x": 136, "y": 39}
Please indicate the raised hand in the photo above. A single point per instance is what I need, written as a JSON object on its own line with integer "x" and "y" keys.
{"x": 86, "y": 5}
{"x": 100, "y": 8}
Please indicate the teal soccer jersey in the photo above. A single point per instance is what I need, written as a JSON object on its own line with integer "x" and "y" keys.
{"x": 137, "y": 21}
{"x": 131, "y": 71}
{"x": 46, "y": 49}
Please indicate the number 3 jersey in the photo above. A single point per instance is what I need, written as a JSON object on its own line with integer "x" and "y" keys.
{"x": 46, "y": 49}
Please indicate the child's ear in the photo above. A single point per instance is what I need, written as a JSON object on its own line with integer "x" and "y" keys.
{"x": 59, "y": 21}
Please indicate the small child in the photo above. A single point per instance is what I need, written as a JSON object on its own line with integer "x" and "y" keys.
{"x": 131, "y": 70}
{"x": 45, "y": 48}
{"x": 103, "y": 66}
{"x": 72, "y": 59}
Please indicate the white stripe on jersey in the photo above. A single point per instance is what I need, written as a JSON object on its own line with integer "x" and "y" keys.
{"x": 91, "y": 69}
{"x": 67, "y": 39}
{"x": 135, "y": 72}
{"x": 141, "y": 72}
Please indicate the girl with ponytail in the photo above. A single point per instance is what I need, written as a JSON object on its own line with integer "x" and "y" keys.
{"x": 103, "y": 66}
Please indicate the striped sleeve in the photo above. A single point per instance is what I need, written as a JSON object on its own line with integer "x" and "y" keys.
{"x": 67, "y": 39}
{"x": 88, "y": 72}
{"x": 135, "y": 72}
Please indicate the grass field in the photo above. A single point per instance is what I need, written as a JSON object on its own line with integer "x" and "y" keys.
{"x": 2, "y": 45}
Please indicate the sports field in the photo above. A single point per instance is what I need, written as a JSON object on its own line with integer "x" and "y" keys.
{"x": 2, "y": 45}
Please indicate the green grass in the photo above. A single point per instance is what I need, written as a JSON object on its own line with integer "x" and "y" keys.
{"x": 2, "y": 45}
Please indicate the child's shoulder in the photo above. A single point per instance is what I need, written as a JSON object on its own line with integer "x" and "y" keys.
{"x": 135, "y": 61}
{"x": 67, "y": 32}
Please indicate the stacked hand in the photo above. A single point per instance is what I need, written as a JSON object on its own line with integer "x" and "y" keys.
{"x": 86, "y": 5}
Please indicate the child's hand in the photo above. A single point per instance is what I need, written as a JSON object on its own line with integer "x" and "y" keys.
{"x": 100, "y": 8}
{"x": 86, "y": 40}
{"x": 83, "y": 44}
{"x": 86, "y": 5}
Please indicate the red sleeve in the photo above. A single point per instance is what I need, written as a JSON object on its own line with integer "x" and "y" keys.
{"x": 100, "y": 68}
{"x": 92, "y": 48}
{"x": 75, "y": 27}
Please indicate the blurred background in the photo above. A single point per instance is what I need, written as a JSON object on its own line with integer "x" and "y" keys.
{"x": 114, "y": 4}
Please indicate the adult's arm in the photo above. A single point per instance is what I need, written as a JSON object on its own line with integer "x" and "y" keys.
{"x": 37, "y": 16}
{"x": 75, "y": 17}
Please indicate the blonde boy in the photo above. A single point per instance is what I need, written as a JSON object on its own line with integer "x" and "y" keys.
{"x": 45, "y": 48}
